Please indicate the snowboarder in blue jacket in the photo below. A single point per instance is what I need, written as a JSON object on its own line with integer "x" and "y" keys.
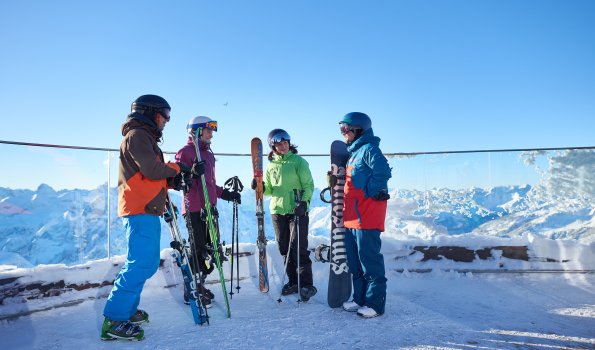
{"x": 365, "y": 202}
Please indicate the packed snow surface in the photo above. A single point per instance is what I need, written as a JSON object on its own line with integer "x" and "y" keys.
{"x": 442, "y": 309}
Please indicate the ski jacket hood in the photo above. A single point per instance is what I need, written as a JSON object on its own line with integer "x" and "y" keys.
{"x": 284, "y": 174}
{"x": 195, "y": 196}
{"x": 143, "y": 174}
{"x": 367, "y": 174}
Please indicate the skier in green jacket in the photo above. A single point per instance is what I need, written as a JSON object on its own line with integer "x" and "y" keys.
{"x": 285, "y": 173}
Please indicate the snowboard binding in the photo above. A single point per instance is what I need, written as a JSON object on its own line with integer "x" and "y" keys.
{"x": 322, "y": 253}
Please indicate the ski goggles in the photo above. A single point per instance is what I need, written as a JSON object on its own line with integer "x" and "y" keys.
{"x": 212, "y": 125}
{"x": 346, "y": 128}
{"x": 280, "y": 137}
{"x": 165, "y": 114}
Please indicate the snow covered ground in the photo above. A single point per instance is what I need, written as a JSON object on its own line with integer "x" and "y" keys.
{"x": 442, "y": 309}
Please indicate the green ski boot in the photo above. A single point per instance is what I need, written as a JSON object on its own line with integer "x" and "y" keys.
{"x": 121, "y": 330}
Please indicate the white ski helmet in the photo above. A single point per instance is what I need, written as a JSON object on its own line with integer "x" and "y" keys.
{"x": 201, "y": 122}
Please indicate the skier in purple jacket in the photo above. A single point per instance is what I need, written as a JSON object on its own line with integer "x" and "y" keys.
{"x": 200, "y": 242}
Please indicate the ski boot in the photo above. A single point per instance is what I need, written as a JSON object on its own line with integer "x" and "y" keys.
{"x": 139, "y": 317}
{"x": 308, "y": 292}
{"x": 289, "y": 288}
{"x": 204, "y": 300}
{"x": 204, "y": 291}
{"x": 121, "y": 330}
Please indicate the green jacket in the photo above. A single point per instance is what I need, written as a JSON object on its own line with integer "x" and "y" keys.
{"x": 283, "y": 174}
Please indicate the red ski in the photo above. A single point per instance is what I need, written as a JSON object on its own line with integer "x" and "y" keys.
{"x": 261, "y": 242}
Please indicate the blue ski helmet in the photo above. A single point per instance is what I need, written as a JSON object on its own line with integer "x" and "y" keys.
{"x": 278, "y": 135}
{"x": 357, "y": 120}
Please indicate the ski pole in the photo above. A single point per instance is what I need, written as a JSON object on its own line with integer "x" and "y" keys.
{"x": 237, "y": 250}
{"x": 298, "y": 198}
{"x": 233, "y": 223}
{"x": 287, "y": 255}
{"x": 234, "y": 184}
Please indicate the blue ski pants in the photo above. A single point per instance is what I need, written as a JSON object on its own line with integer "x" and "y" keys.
{"x": 143, "y": 233}
{"x": 366, "y": 265}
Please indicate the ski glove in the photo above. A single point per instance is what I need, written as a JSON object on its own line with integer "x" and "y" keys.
{"x": 175, "y": 183}
{"x": 253, "y": 184}
{"x": 184, "y": 168}
{"x": 198, "y": 169}
{"x": 300, "y": 208}
{"x": 381, "y": 196}
{"x": 229, "y": 196}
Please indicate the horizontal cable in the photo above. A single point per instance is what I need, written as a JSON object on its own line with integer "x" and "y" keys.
{"x": 399, "y": 154}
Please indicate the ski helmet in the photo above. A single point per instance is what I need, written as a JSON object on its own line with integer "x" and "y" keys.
{"x": 149, "y": 105}
{"x": 356, "y": 120}
{"x": 201, "y": 122}
{"x": 278, "y": 135}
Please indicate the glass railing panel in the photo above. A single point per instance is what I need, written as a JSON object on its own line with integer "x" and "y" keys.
{"x": 54, "y": 201}
{"x": 52, "y": 206}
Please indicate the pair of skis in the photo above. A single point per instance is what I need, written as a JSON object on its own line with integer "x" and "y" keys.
{"x": 182, "y": 255}
{"x": 213, "y": 232}
{"x": 182, "y": 251}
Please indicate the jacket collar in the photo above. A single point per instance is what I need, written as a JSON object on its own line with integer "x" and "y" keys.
{"x": 367, "y": 137}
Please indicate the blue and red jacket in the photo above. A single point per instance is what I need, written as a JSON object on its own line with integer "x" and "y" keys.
{"x": 367, "y": 175}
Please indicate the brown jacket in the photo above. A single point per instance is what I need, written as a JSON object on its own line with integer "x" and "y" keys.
{"x": 142, "y": 184}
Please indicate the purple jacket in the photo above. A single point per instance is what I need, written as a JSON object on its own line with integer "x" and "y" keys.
{"x": 196, "y": 198}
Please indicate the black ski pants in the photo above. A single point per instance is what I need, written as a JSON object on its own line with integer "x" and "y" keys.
{"x": 199, "y": 237}
{"x": 285, "y": 227}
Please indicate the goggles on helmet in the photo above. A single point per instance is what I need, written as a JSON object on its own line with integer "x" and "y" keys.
{"x": 211, "y": 125}
{"x": 280, "y": 137}
{"x": 346, "y": 128}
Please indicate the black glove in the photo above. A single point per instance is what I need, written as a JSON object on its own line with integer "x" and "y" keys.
{"x": 300, "y": 208}
{"x": 226, "y": 195}
{"x": 381, "y": 196}
{"x": 176, "y": 182}
{"x": 253, "y": 184}
{"x": 184, "y": 168}
{"x": 198, "y": 169}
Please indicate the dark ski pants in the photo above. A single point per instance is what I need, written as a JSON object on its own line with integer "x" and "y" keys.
{"x": 199, "y": 237}
{"x": 285, "y": 228}
{"x": 366, "y": 265}
{"x": 143, "y": 233}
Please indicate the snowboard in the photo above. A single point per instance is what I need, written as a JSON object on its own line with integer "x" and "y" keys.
{"x": 339, "y": 282}
{"x": 261, "y": 242}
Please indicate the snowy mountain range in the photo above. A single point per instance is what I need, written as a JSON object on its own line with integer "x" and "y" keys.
{"x": 45, "y": 226}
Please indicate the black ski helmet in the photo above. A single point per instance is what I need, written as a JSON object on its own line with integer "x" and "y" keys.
{"x": 357, "y": 120}
{"x": 278, "y": 135}
{"x": 149, "y": 105}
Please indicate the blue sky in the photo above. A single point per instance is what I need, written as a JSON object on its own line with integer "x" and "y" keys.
{"x": 433, "y": 75}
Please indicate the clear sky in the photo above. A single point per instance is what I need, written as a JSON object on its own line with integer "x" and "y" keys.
{"x": 433, "y": 75}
